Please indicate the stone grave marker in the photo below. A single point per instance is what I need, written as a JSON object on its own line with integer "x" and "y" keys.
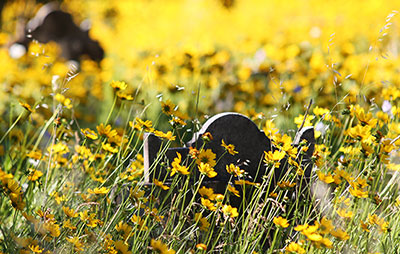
{"x": 249, "y": 141}
{"x": 53, "y": 24}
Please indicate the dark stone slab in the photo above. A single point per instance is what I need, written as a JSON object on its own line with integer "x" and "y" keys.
{"x": 53, "y": 24}
{"x": 249, "y": 141}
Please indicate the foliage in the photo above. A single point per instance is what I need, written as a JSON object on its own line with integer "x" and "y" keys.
{"x": 71, "y": 137}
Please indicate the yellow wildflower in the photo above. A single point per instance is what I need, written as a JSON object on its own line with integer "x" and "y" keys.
{"x": 142, "y": 125}
{"x": 325, "y": 226}
{"x": 52, "y": 228}
{"x": 160, "y": 184}
{"x": 177, "y": 121}
{"x": 154, "y": 213}
{"x": 361, "y": 133}
{"x": 230, "y": 211}
{"x": 230, "y": 148}
{"x": 167, "y": 135}
{"x": 204, "y": 224}
{"x": 344, "y": 214}
{"x": 78, "y": 245}
{"x": 36, "y": 155}
{"x": 358, "y": 193}
{"x": 161, "y": 248}
{"x": 57, "y": 197}
{"x": 246, "y": 182}
{"x": 26, "y": 106}
{"x": 300, "y": 228}
{"x": 69, "y": 212}
{"x": 294, "y": 248}
{"x": 270, "y": 129}
{"x": 194, "y": 153}
{"x": 106, "y": 130}
{"x": 366, "y": 119}
{"x": 374, "y": 219}
{"x": 122, "y": 247}
{"x": 233, "y": 190}
{"x": 35, "y": 249}
{"x": 89, "y": 219}
{"x": 139, "y": 222}
{"x": 34, "y": 175}
{"x": 118, "y": 85}
{"x": 124, "y": 96}
{"x": 321, "y": 112}
{"x": 326, "y": 242}
{"x": 307, "y": 122}
{"x": 58, "y": 148}
{"x": 124, "y": 228}
{"x": 168, "y": 107}
{"x": 68, "y": 224}
{"x": 234, "y": 170}
{"x": 273, "y": 158}
{"x": 207, "y": 137}
{"x": 384, "y": 226}
{"x": 109, "y": 148}
{"x": 207, "y": 193}
{"x": 89, "y": 133}
{"x": 283, "y": 142}
{"x": 364, "y": 226}
{"x": 176, "y": 167}
{"x": 201, "y": 246}
{"x": 207, "y": 170}
{"x": 65, "y": 101}
{"x": 286, "y": 184}
{"x": 310, "y": 232}
{"x": 273, "y": 195}
{"x": 281, "y": 222}
{"x": 219, "y": 198}
{"x": 340, "y": 234}
{"x": 315, "y": 237}
{"x": 99, "y": 191}
{"x": 327, "y": 178}
{"x": 208, "y": 204}
{"x": 206, "y": 156}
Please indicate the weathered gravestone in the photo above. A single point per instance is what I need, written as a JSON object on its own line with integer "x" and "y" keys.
{"x": 53, "y": 24}
{"x": 249, "y": 142}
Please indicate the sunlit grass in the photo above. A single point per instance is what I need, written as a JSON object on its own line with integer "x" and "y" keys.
{"x": 72, "y": 176}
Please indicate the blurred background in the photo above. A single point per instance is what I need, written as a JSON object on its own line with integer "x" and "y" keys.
{"x": 257, "y": 57}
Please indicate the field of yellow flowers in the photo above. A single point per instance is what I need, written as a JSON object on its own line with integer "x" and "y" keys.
{"x": 71, "y": 137}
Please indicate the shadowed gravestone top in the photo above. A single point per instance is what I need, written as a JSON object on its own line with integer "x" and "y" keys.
{"x": 53, "y": 24}
{"x": 233, "y": 128}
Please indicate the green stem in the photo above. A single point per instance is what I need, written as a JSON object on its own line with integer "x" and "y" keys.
{"x": 274, "y": 241}
{"x": 12, "y": 127}
{"x": 112, "y": 109}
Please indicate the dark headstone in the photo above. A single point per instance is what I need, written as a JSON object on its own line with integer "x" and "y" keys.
{"x": 233, "y": 128}
{"x": 53, "y": 24}
{"x": 250, "y": 143}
